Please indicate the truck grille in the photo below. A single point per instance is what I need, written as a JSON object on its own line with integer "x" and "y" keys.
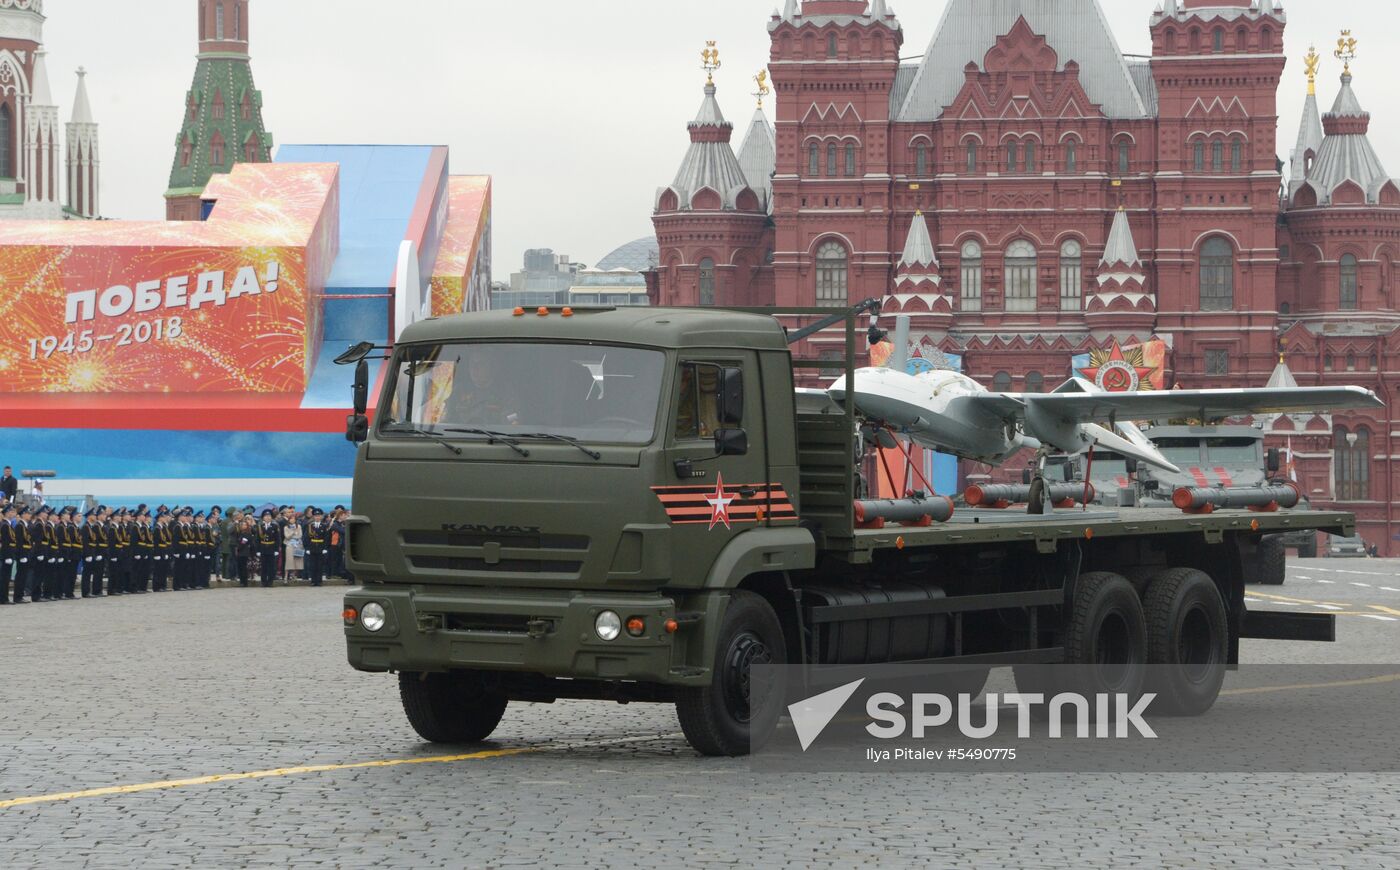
{"x": 476, "y": 552}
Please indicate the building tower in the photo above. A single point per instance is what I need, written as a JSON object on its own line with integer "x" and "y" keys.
{"x": 711, "y": 224}
{"x": 84, "y": 158}
{"x": 223, "y": 122}
{"x": 42, "y": 169}
{"x": 1216, "y": 67}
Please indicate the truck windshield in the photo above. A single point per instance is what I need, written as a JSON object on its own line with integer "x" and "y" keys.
{"x": 1180, "y": 451}
{"x": 588, "y": 392}
{"x": 1236, "y": 451}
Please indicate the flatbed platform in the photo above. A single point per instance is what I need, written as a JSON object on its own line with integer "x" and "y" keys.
{"x": 982, "y": 526}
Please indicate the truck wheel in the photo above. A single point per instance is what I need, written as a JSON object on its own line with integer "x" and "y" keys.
{"x": 1106, "y": 637}
{"x": 450, "y": 708}
{"x": 1272, "y": 562}
{"x": 1186, "y": 641}
{"x": 719, "y": 719}
{"x": 1308, "y": 551}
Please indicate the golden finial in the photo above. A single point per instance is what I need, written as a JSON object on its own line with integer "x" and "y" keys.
{"x": 1346, "y": 51}
{"x": 1312, "y": 61}
{"x": 710, "y": 56}
{"x": 763, "y": 90}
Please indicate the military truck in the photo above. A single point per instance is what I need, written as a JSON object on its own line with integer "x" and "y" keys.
{"x": 1209, "y": 456}
{"x": 631, "y": 504}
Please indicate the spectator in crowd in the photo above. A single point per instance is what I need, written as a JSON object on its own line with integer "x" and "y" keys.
{"x": 293, "y": 546}
{"x": 337, "y": 568}
{"x": 9, "y": 487}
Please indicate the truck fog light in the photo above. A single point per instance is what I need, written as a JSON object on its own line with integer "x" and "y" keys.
{"x": 372, "y": 616}
{"x": 636, "y": 626}
{"x": 608, "y": 625}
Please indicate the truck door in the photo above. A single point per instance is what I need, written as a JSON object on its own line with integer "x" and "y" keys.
{"x": 711, "y": 496}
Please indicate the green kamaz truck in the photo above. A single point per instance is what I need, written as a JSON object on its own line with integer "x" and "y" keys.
{"x": 635, "y": 505}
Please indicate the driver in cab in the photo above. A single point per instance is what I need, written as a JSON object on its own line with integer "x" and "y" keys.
{"x": 482, "y": 394}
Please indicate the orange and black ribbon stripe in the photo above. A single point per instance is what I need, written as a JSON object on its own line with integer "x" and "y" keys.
{"x": 687, "y": 505}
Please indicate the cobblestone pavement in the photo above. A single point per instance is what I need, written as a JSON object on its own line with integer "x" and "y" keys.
{"x": 133, "y": 690}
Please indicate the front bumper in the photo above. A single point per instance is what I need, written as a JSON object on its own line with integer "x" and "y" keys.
{"x": 547, "y": 632}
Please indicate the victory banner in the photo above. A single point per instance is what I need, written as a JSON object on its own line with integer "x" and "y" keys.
{"x": 225, "y": 305}
{"x": 1118, "y": 369}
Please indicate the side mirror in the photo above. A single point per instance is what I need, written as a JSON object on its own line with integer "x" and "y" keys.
{"x": 1275, "y": 460}
{"x": 1068, "y": 471}
{"x": 1025, "y": 477}
{"x": 356, "y": 428}
{"x": 361, "y": 387}
{"x": 731, "y": 397}
{"x": 731, "y": 442}
{"x": 1131, "y": 464}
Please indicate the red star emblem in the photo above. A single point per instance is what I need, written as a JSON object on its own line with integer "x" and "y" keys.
{"x": 1114, "y": 373}
{"x": 720, "y": 503}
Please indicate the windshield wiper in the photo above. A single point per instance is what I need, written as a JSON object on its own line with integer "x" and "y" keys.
{"x": 493, "y": 438}
{"x": 566, "y": 440}
{"x": 405, "y": 429}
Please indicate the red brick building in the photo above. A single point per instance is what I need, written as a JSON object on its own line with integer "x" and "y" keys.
{"x": 1027, "y": 192}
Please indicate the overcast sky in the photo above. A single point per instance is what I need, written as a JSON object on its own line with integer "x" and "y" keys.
{"x": 577, "y": 108}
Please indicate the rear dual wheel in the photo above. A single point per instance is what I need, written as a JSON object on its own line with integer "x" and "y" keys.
{"x": 1187, "y": 638}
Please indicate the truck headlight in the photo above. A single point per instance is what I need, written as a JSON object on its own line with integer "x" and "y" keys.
{"x": 372, "y": 616}
{"x": 608, "y": 625}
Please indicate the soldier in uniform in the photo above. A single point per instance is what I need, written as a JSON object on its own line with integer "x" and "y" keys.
{"x": 268, "y": 538}
{"x": 73, "y": 560}
{"x": 119, "y": 553}
{"x": 316, "y": 539}
{"x": 9, "y": 548}
{"x": 46, "y": 550}
{"x": 143, "y": 552}
{"x": 207, "y": 542}
{"x": 93, "y": 547}
{"x": 165, "y": 551}
{"x": 24, "y": 557}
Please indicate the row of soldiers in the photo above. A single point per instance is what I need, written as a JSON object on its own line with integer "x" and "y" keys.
{"x": 50, "y": 556}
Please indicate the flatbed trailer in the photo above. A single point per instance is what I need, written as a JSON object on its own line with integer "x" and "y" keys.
{"x": 662, "y": 565}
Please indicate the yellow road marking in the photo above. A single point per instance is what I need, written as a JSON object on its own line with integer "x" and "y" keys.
{"x": 1252, "y": 594}
{"x": 1263, "y": 690}
{"x": 1392, "y": 611}
{"x": 315, "y": 768}
{"x": 255, "y": 774}
{"x": 1376, "y": 607}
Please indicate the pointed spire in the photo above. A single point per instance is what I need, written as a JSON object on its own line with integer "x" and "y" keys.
{"x": 918, "y": 248}
{"x": 709, "y": 115}
{"x": 82, "y": 108}
{"x": 1347, "y": 105}
{"x": 1282, "y": 378}
{"x": 758, "y": 156}
{"x": 791, "y": 10}
{"x": 42, "y": 94}
{"x": 1120, "y": 249}
{"x": 878, "y": 10}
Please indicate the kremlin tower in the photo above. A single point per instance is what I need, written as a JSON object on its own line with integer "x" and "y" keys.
{"x": 223, "y": 122}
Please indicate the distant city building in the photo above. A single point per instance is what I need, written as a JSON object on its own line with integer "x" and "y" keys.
{"x": 638, "y": 256}
{"x": 31, "y": 171}
{"x": 609, "y": 287}
{"x": 545, "y": 280}
{"x": 223, "y": 122}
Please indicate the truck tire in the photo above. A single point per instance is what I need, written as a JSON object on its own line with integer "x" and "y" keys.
{"x": 1187, "y": 634}
{"x": 1106, "y": 637}
{"x": 450, "y": 708}
{"x": 1271, "y": 565}
{"x": 717, "y": 719}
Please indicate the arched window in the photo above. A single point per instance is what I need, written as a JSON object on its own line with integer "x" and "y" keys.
{"x": 1020, "y": 276}
{"x": 971, "y": 276}
{"x": 1199, "y": 161}
{"x": 1171, "y": 42}
{"x": 831, "y": 159}
{"x": 1285, "y": 309}
{"x": 1217, "y": 156}
{"x": 814, "y": 159}
{"x": 218, "y": 108}
{"x": 186, "y": 152}
{"x": 7, "y": 133}
{"x": 921, "y": 160}
{"x": 1012, "y": 151}
{"x": 1124, "y": 164}
{"x": 971, "y": 156}
{"x": 831, "y": 45}
{"x": 850, "y": 159}
{"x": 1375, "y": 361}
{"x": 216, "y": 151}
{"x": 1001, "y": 382}
{"x": 707, "y": 282}
{"x": 1351, "y": 361}
{"x": 1195, "y": 39}
{"x": 246, "y": 110}
{"x": 1071, "y": 275}
{"x": 1030, "y": 156}
{"x": 1071, "y": 157}
{"x": 1217, "y": 275}
{"x": 238, "y": 21}
{"x": 1347, "y": 302}
{"x": 1236, "y": 155}
{"x": 831, "y": 275}
{"x": 1035, "y": 382}
{"x": 1241, "y": 40}
{"x": 1217, "y": 40}
{"x": 1352, "y": 463}
{"x": 1266, "y": 39}
{"x": 250, "y": 151}
{"x": 219, "y": 20}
